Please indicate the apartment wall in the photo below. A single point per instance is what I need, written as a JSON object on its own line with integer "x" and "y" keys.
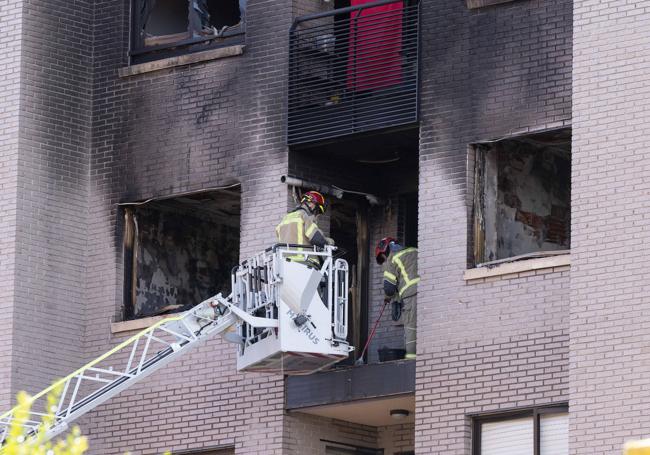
{"x": 501, "y": 342}
{"x": 10, "y": 53}
{"x": 611, "y": 175}
{"x": 186, "y": 128}
{"x": 304, "y": 433}
{"x": 53, "y": 195}
{"x": 45, "y": 116}
{"x": 397, "y": 438}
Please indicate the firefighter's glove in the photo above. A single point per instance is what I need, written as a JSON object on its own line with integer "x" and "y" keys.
{"x": 329, "y": 240}
{"x": 396, "y": 312}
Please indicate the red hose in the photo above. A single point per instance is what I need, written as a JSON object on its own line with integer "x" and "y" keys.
{"x": 372, "y": 334}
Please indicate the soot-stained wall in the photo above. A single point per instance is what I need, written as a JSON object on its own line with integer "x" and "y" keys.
{"x": 181, "y": 260}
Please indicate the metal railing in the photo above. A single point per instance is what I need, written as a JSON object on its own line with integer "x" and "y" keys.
{"x": 255, "y": 287}
{"x": 353, "y": 70}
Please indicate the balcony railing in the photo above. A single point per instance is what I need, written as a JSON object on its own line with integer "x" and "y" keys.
{"x": 353, "y": 70}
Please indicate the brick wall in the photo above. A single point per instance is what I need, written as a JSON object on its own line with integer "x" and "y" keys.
{"x": 397, "y": 438}
{"x": 52, "y": 198}
{"x": 46, "y": 92}
{"x": 10, "y": 52}
{"x": 304, "y": 434}
{"x": 503, "y": 343}
{"x": 482, "y": 346}
{"x": 609, "y": 285}
{"x": 160, "y": 133}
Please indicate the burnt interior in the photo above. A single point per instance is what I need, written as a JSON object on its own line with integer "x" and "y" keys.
{"x": 223, "y": 13}
{"x": 168, "y": 21}
{"x": 385, "y": 166}
{"x": 166, "y": 18}
{"x": 522, "y": 196}
{"x": 180, "y": 251}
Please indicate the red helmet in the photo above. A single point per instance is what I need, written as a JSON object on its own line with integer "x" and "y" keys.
{"x": 383, "y": 248}
{"x": 316, "y": 198}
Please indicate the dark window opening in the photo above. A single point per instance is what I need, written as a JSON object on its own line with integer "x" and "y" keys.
{"x": 522, "y": 197}
{"x": 167, "y": 22}
{"x": 164, "y": 25}
{"x": 535, "y": 431}
{"x": 224, "y": 13}
{"x": 179, "y": 252}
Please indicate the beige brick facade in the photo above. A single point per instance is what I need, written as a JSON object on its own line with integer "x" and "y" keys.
{"x": 78, "y": 137}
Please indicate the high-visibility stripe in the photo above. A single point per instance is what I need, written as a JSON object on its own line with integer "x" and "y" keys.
{"x": 311, "y": 230}
{"x": 392, "y": 279}
{"x": 408, "y": 282}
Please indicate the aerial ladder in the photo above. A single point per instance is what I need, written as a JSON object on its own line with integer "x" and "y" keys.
{"x": 285, "y": 317}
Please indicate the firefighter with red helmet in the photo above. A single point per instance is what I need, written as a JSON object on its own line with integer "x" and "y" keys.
{"x": 400, "y": 266}
{"x": 299, "y": 227}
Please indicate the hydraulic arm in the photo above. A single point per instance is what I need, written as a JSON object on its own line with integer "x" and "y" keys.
{"x": 258, "y": 315}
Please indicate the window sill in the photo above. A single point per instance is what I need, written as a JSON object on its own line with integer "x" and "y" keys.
{"x": 473, "y": 4}
{"x": 136, "y": 324}
{"x": 518, "y": 269}
{"x": 181, "y": 60}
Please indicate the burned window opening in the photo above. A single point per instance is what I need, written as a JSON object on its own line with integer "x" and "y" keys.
{"x": 179, "y": 251}
{"x": 166, "y": 21}
{"x": 522, "y": 196}
{"x": 175, "y": 22}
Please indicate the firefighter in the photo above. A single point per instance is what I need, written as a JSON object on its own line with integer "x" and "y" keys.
{"x": 401, "y": 279}
{"x": 299, "y": 227}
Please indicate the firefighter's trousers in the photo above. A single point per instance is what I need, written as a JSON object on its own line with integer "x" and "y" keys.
{"x": 409, "y": 317}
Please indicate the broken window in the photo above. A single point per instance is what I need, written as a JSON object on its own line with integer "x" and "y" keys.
{"x": 174, "y": 22}
{"x": 180, "y": 251}
{"x": 522, "y": 196}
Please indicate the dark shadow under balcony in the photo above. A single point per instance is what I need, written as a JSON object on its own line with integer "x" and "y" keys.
{"x": 353, "y": 70}
{"x": 364, "y": 394}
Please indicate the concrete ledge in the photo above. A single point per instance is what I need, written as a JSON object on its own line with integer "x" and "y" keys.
{"x": 187, "y": 59}
{"x": 473, "y": 4}
{"x": 519, "y": 269}
{"x": 136, "y": 324}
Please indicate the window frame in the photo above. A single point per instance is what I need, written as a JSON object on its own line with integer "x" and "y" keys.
{"x": 477, "y": 163}
{"x": 534, "y": 412}
{"x": 139, "y": 53}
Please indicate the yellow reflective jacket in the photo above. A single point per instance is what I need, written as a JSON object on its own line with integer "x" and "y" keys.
{"x": 401, "y": 270}
{"x": 299, "y": 228}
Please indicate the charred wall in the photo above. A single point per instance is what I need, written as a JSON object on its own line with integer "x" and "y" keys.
{"x": 497, "y": 343}
{"x": 159, "y": 134}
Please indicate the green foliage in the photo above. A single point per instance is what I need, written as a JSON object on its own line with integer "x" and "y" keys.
{"x": 18, "y": 443}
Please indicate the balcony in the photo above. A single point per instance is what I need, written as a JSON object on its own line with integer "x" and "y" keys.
{"x": 363, "y": 395}
{"x": 352, "y": 71}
